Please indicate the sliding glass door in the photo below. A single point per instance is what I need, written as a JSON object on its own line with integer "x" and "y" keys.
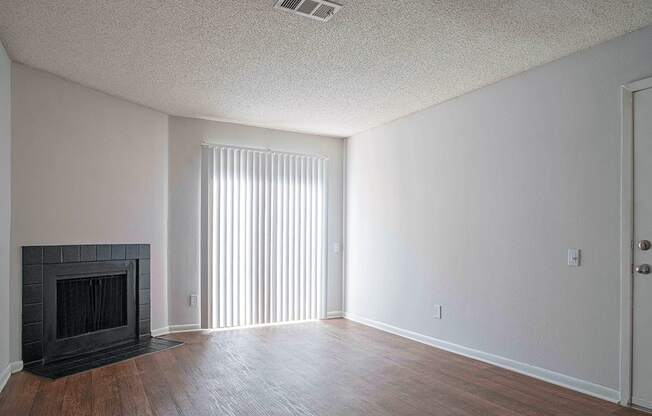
{"x": 264, "y": 233}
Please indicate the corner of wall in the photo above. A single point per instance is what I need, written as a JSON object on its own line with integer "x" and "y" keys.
{"x": 166, "y": 228}
{"x": 345, "y": 221}
{"x": 5, "y": 214}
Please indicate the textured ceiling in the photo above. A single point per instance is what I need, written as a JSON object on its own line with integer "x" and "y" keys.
{"x": 243, "y": 61}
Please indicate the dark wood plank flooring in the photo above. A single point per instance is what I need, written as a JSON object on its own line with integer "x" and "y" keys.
{"x": 334, "y": 367}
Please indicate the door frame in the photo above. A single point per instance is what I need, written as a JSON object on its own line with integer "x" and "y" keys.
{"x": 627, "y": 235}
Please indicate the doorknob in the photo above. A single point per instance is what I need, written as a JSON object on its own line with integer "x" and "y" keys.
{"x": 644, "y": 245}
{"x": 643, "y": 269}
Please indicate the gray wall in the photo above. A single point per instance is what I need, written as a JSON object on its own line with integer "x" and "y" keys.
{"x": 473, "y": 203}
{"x": 186, "y": 136}
{"x": 87, "y": 168}
{"x": 5, "y": 203}
{"x": 118, "y": 192}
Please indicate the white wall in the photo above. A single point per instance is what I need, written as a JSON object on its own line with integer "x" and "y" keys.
{"x": 473, "y": 203}
{"x": 186, "y": 136}
{"x": 87, "y": 168}
{"x": 5, "y": 204}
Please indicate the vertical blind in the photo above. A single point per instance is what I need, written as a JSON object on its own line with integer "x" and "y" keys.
{"x": 264, "y": 228}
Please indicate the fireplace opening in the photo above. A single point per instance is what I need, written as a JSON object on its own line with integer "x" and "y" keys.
{"x": 90, "y": 304}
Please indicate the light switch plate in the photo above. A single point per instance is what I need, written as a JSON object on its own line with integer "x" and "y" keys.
{"x": 193, "y": 300}
{"x": 437, "y": 311}
{"x": 574, "y": 257}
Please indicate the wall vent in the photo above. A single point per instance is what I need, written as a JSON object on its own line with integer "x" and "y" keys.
{"x": 321, "y": 10}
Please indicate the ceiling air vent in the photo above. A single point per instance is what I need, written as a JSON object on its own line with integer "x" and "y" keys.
{"x": 321, "y": 10}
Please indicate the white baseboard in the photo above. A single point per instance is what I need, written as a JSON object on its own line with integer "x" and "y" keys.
{"x": 642, "y": 403}
{"x": 184, "y": 328}
{"x": 4, "y": 376}
{"x": 559, "y": 379}
{"x": 16, "y": 366}
{"x": 334, "y": 314}
{"x": 172, "y": 329}
{"x": 6, "y": 372}
{"x": 160, "y": 331}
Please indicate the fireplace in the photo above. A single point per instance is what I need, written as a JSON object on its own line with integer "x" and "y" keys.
{"x": 82, "y": 299}
{"x": 90, "y": 304}
{"x": 87, "y": 307}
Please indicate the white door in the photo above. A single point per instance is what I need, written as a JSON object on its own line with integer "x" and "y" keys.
{"x": 642, "y": 342}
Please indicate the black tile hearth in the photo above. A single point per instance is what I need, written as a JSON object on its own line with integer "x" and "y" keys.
{"x": 52, "y": 254}
{"x": 103, "y": 252}
{"x": 32, "y": 274}
{"x": 44, "y": 265}
{"x": 32, "y": 351}
{"x": 32, "y": 293}
{"x": 71, "y": 254}
{"x": 97, "y": 359}
{"x": 89, "y": 253}
{"x": 32, "y": 332}
{"x": 117, "y": 252}
{"x": 143, "y": 251}
{"x": 131, "y": 251}
{"x": 32, "y": 313}
{"x": 33, "y": 255}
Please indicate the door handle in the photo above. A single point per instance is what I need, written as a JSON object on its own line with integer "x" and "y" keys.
{"x": 643, "y": 269}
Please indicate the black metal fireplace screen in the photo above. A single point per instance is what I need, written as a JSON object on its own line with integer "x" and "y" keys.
{"x": 91, "y": 304}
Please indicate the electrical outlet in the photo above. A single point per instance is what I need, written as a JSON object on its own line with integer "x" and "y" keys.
{"x": 437, "y": 311}
{"x": 574, "y": 257}
{"x": 193, "y": 300}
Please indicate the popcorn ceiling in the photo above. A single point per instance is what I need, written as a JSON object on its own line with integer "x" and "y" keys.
{"x": 245, "y": 62}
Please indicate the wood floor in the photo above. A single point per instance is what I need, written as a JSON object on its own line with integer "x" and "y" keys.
{"x": 334, "y": 367}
